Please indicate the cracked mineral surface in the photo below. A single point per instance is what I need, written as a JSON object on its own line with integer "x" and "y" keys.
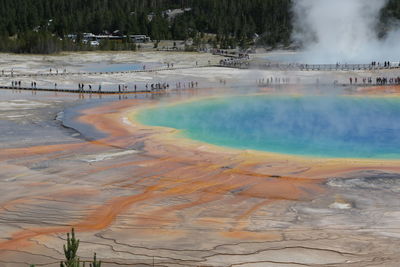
{"x": 138, "y": 196}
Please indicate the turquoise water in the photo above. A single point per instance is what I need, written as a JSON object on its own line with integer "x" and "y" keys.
{"x": 119, "y": 67}
{"x": 339, "y": 127}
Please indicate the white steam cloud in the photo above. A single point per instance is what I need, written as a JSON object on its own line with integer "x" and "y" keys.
{"x": 344, "y": 31}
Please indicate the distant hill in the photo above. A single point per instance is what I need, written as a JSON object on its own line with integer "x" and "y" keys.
{"x": 40, "y": 26}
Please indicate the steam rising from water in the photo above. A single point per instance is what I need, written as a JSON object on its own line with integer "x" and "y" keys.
{"x": 343, "y": 31}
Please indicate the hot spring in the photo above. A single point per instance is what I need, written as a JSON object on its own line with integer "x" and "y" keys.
{"x": 316, "y": 126}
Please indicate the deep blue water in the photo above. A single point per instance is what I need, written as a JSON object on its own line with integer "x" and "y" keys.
{"x": 340, "y": 127}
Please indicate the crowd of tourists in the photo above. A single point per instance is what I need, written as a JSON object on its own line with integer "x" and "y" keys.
{"x": 192, "y": 84}
{"x": 121, "y": 88}
{"x": 375, "y": 81}
{"x": 273, "y": 81}
{"x": 234, "y": 62}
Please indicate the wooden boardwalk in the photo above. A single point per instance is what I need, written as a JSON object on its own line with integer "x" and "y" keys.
{"x": 55, "y": 74}
{"x": 319, "y": 67}
{"x": 77, "y": 91}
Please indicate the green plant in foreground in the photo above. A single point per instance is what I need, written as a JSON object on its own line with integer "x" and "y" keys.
{"x": 70, "y": 251}
{"x": 95, "y": 262}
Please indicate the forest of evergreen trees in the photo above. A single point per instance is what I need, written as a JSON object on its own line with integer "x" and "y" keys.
{"x": 40, "y": 26}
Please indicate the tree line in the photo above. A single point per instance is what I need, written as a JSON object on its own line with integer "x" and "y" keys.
{"x": 40, "y": 26}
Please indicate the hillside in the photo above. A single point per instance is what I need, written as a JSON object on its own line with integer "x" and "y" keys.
{"x": 40, "y": 26}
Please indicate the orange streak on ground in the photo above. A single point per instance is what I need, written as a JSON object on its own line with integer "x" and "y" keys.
{"x": 105, "y": 215}
{"x": 10, "y": 153}
{"x": 6, "y": 154}
{"x": 247, "y": 235}
{"x": 253, "y": 209}
{"x": 21, "y": 239}
{"x": 387, "y": 89}
{"x": 340, "y": 169}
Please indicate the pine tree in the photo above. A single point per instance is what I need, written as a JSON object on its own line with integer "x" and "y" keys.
{"x": 95, "y": 263}
{"x": 70, "y": 250}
